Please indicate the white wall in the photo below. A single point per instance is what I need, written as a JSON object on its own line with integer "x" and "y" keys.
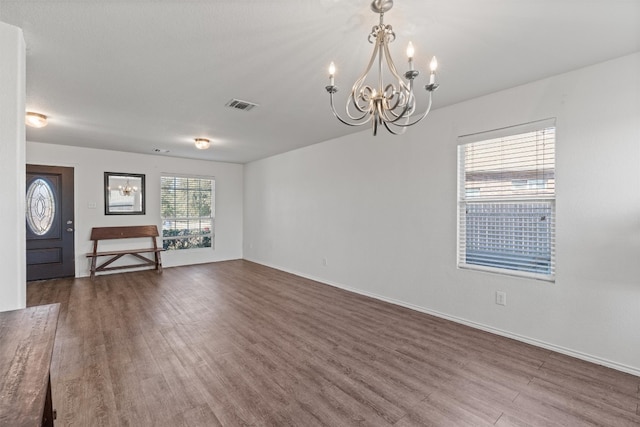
{"x": 13, "y": 291}
{"x": 89, "y": 167}
{"x": 382, "y": 212}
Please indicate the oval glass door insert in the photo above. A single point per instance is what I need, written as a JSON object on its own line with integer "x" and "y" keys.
{"x": 41, "y": 207}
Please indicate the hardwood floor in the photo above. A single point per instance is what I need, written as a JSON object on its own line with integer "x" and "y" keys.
{"x": 236, "y": 343}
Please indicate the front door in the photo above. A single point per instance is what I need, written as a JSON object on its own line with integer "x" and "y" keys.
{"x": 50, "y": 222}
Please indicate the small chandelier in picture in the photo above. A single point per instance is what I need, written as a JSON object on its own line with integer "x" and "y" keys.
{"x": 392, "y": 106}
{"x": 127, "y": 189}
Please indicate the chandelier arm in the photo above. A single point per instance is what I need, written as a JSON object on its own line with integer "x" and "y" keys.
{"x": 418, "y": 119}
{"x": 390, "y": 116}
{"x": 359, "y": 118}
{"x": 392, "y": 67}
{"x": 396, "y": 117}
{"x": 393, "y": 131}
{"x": 335, "y": 113}
{"x": 394, "y": 92}
{"x": 361, "y": 109}
{"x": 380, "y": 117}
{"x": 365, "y": 95}
{"x": 412, "y": 103}
{"x": 412, "y": 99}
{"x": 357, "y": 86}
{"x": 405, "y": 92}
{"x": 381, "y": 41}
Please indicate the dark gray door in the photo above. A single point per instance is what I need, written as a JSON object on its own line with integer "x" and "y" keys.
{"x": 50, "y": 222}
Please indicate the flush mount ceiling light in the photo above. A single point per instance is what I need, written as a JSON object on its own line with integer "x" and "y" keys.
{"x": 35, "y": 120}
{"x": 202, "y": 143}
{"x": 392, "y": 105}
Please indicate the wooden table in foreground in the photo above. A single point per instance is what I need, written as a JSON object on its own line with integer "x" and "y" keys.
{"x": 26, "y": 346}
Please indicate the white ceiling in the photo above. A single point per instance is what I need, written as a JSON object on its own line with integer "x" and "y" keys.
{"x": 137, "y": 75}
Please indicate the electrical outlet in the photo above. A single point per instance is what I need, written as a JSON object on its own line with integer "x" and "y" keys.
{"x": 501, "y": 298}
{"x": 324, "y": 262}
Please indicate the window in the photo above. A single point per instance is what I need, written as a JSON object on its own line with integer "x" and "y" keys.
{"x": 41, "y": 207}
{"x": 506, "y": 200}
{"x": 187, "y": 212}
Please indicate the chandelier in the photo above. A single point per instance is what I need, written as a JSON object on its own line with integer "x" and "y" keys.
{"x": 127, "y": 189}
{"x": 392, "y": 105}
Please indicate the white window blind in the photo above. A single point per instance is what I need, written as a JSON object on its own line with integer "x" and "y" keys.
{"x": 506, "y": 201}
{"x": 187, "y": 212}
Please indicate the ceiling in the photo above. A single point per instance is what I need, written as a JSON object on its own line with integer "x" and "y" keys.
{"x": 140, "y": 75}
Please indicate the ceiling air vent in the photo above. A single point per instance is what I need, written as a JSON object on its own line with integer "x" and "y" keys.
{"x": 240, "y": 105}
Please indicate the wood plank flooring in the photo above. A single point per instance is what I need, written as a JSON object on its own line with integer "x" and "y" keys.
{"x": 236, "y": 343}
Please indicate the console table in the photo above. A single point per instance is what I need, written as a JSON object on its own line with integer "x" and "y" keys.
{"x": 26, "y": 346}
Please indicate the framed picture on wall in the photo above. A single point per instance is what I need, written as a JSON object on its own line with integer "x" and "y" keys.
{"x": 124, "y": 194}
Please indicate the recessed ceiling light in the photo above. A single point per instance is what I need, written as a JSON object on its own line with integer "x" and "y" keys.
{"x": 202, "y": 143}
{"x": 35, "y": 120}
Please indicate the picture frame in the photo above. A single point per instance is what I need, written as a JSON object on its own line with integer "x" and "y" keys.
{"x": 124, "y": 193}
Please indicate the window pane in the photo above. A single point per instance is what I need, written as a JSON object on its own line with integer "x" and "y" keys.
{"x": 510, "y": 235}
{"x": 187, "y": 243}
{"x": 41, "y": 207}
{"x": 517, "y": 166}
{"x": 187, "y": 212}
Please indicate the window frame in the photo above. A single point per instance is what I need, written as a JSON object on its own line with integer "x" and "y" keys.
{"x": 211, "y": 217}
{"x": 546, "y": 198}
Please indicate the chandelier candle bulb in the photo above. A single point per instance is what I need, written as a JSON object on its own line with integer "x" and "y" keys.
{"x": 332, "y": 72}
{"x": 410, "y": 52}
{"x": 433, "y": 66}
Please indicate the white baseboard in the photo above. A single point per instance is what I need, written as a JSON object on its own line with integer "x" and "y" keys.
{"x": 559, "y": 349}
